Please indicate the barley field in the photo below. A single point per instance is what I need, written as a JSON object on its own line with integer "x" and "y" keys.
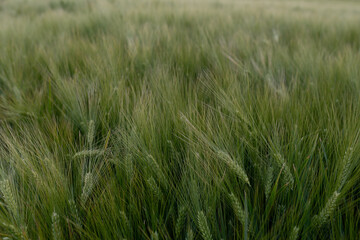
{"x": 179, "y": 119}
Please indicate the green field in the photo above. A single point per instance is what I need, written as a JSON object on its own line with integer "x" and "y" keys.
{"x": 179, "y": 119}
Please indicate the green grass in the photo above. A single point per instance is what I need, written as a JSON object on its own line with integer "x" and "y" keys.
{"x": 179, "y": 119}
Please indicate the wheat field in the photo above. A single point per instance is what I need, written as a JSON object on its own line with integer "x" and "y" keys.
{"x": 164, "y": 119}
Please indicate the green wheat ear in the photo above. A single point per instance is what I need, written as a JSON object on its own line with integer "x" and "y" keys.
{"x": 180, "y": 221}
{"x": 203, "y": 226}
{"x": 18, "y": 233}
{"x": 345, "y": 172}
{"x": 89, "y": 153}
{"x": 234, "y": 166}
{"x": 294, "y": 233}
{"x": 9, "y": 197}
{"x": 75, "y": 212}
{"x": 125, "y": 221}
{"x": 157, "y": 169}
{"x": 91, "y": 132}
{"x": 269, "y": 181}
{"x": 88, "y": 186}
{"x": 189, "y": 234}
{"x": 129, "y": 167}
{"x": 56, "y": 230}
{"x": 154, "y": 236}
{"x": 239, "y": 212}
{"x": 326, "y": 212}
{"x": 288, "y": 177}
{"x": 155, "y": 189}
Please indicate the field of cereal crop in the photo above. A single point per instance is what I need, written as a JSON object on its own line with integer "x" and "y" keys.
{"x": 164, "y": 119}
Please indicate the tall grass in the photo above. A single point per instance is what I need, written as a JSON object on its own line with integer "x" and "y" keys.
{"x": 179, "y": 119}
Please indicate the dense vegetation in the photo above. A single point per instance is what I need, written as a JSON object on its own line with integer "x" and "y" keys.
{"x": 179, "y": 119}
